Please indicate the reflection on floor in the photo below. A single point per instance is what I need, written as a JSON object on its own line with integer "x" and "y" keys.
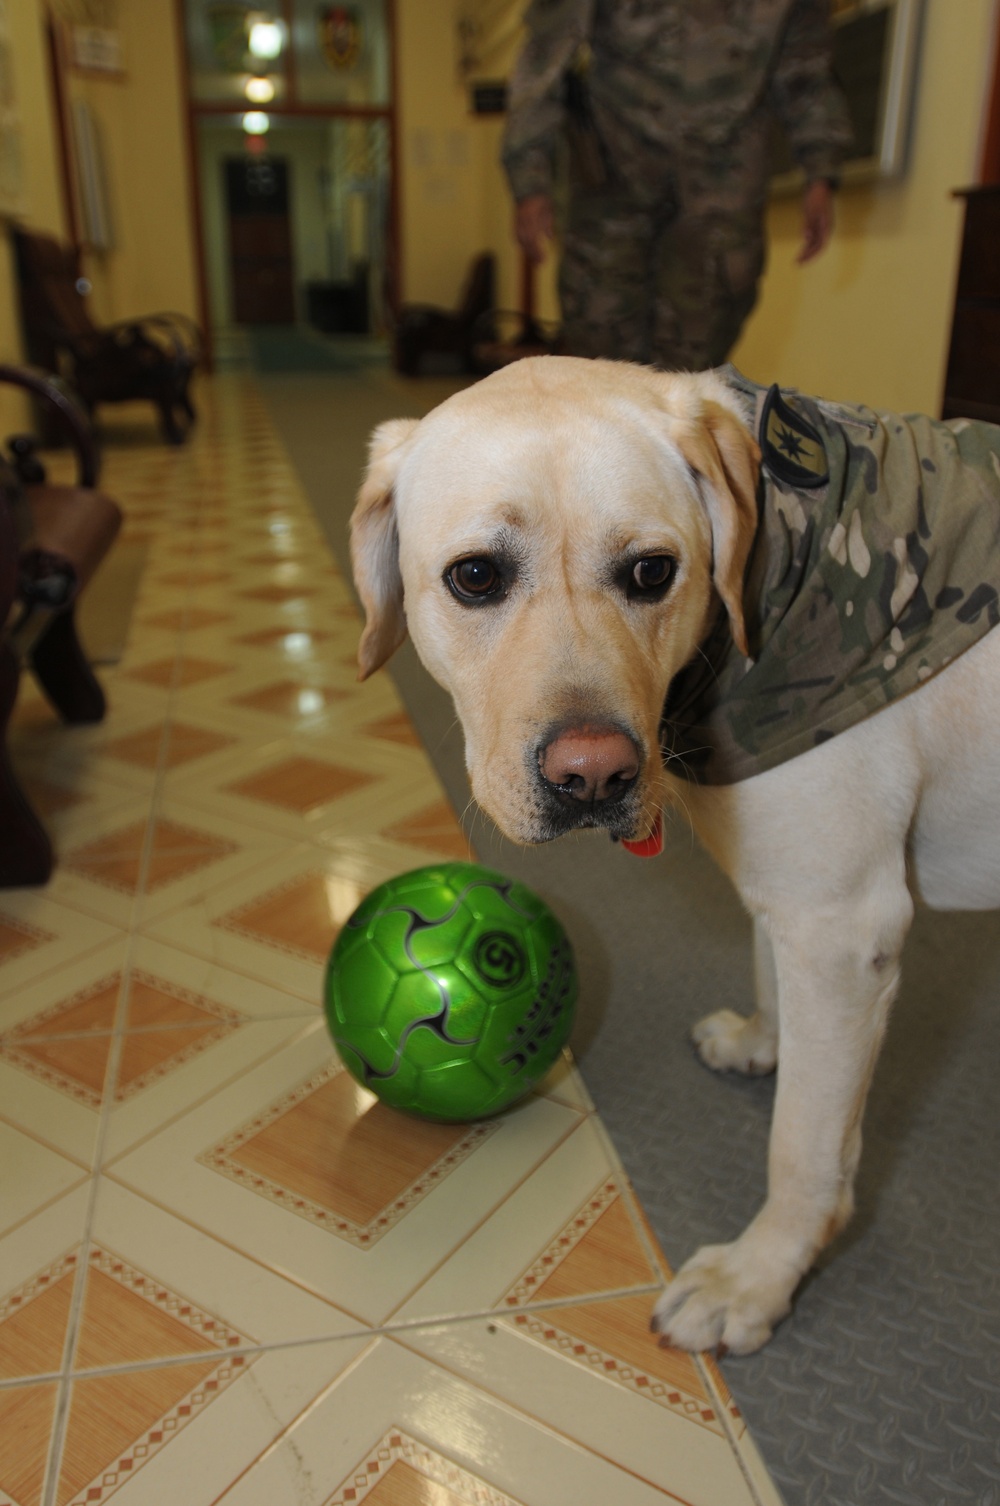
{"x": 227, "y": 1274}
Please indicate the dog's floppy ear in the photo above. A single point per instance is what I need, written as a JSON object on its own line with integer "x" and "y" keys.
{"x": 727, "y": 460}
{"x": 375, "y": 547}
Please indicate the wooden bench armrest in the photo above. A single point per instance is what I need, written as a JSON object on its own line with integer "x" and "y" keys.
{"x": 73, "y": 524}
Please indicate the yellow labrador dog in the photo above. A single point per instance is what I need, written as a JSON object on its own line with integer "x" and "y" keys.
{"x": 575, "y": 546}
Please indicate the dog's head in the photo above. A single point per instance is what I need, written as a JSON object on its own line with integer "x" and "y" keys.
{"x": 556, "y": 539}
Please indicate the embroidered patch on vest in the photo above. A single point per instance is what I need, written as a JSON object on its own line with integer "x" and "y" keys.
{"x": 792, "y": 450}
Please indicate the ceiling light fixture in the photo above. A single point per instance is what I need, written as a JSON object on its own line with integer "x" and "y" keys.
{"x": 266, "y": 37}
{"x": 259, "y": 91}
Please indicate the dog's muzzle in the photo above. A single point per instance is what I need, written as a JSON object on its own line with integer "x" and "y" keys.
{"x": 588, "y": 776}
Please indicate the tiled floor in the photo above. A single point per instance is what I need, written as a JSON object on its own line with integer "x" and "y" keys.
{"x": 227, "y": 1274}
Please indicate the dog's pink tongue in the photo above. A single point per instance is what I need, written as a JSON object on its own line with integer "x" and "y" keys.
{"x": 648, "y": 847}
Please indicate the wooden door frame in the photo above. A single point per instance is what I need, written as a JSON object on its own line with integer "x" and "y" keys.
{"x": 195, "y": 111}
{"x": 55, "y": 49}
{"x": 989, "y": 167}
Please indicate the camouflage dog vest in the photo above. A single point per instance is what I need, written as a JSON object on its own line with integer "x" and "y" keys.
{"x": 876, "y": 562}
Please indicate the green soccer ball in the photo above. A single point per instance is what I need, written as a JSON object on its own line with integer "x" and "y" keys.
{"x": 450, "y": 991}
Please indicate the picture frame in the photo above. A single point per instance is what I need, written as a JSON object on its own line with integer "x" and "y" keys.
{"x": 875, "y": 62}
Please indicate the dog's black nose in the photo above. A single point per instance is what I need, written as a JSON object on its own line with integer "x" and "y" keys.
{"x": 591, "y": 763}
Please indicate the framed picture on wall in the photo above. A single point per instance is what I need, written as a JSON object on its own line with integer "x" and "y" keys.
{"x": 875, "y": 50}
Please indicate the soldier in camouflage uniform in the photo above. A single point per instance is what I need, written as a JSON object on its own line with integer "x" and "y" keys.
{"x": 876, "y": 562}
{"x": 668, "y": 126}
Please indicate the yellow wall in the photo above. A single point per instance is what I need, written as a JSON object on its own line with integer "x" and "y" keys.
{"x": 869, "y": 320}
{"x": 454, "y": 197}
{"x": 41, "y": 196}
{"x": 141, "y": 123}
{"x": 441, "y": 186}
{"x": 143, "y": 129}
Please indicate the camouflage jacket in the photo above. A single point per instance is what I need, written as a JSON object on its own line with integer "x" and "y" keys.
{"x": 662, "y": 72}
{"x": 877, "y": 562}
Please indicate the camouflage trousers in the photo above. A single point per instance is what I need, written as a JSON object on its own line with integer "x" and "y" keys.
{"x": 660, "y": 284}
{"x": 662, "y": 259}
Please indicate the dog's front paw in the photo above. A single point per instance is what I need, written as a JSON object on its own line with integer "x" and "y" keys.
{"x": 727, "y": 1042}
{"x": 722, "y": 1300}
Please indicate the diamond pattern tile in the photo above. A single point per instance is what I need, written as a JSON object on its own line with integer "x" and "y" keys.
{"x": 396, "y": 728}
{"x": 290, "y": 699}
{"x": 69, "y": 1045}
{"x": 302, "y": 916}
{"x": 435, "y": 828}
{"x": 16, "y": 938}
{"x": 175, "y": 745}
{"x": 116, "y": 861}
{"x": 171, "y": 672}
{"x": 350, "y": 1172}
{"x": 300, "y": 784}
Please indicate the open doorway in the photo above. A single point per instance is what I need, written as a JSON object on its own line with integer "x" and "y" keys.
{"x": 293, "y": 135}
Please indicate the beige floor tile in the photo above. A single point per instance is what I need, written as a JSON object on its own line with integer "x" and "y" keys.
{"x": 178, "y": 672}
{"x": 160, "y": 1077}
{"x": 39, "y": 934}
{"x": 176, "y": 1380}
{"x": 409, "y": 1432}
{"x": 324, "y": 789}
{"x": 134, "y": 871}
{"x": 659, "y": 1421}
{"x": 395, "y": 728}
{"x": 251, "y": 998}
{"x": 139, "y": 1045}
{"x": 18, "y": 938}
{"x": 184, "y": 619}
{"x": 33, "y": 1172}
{"x": 558, "y": 1226}
{"x": 433, "y": 828}
{"x": 146, "y": 855}
{"x": 324, "y": 1184}
{"x": 565, "y": 1085}
{"x": 166, "y": 744}
{"x": 55, "y": 1050}
{"x": 97, "y": 807}
{"x": 38, "y": 1262}
{"x": 42, "y": 746}
{"x": 278, "y": 922}
{"x": 263, "y": 1308}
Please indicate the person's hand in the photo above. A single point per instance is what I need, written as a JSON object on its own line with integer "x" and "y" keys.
{"x": 817, "y": 219}
{"x": 534, "y": 225}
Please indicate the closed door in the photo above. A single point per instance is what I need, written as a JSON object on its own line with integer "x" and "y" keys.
{"x": 260, "y": 240}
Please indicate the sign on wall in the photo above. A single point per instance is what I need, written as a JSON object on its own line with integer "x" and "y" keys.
{"x": 11, "y": 165}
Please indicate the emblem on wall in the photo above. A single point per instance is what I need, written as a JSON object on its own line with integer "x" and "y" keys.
{"x": 227, "y": 34}
{"x": 339, "y": 31}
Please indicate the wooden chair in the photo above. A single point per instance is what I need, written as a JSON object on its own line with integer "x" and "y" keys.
{"x": 52, "y": 538}
{"x": 422, "y": 330}
{"x": 506, "y": 335}
{"x": 150, "y": 359}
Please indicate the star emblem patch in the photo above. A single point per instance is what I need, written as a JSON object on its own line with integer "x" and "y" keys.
{"x": 792, "y": 450}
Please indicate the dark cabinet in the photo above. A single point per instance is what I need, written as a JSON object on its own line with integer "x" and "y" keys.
{"x": 972, "y": 383}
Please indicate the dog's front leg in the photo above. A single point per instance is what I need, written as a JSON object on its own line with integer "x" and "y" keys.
{"x": 837, "y": 975}
{"x": 731, "y": 1042}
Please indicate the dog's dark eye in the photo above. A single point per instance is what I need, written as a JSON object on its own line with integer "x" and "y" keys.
{"x": 650, "y": 577}
{"x": 474, "y": 580}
